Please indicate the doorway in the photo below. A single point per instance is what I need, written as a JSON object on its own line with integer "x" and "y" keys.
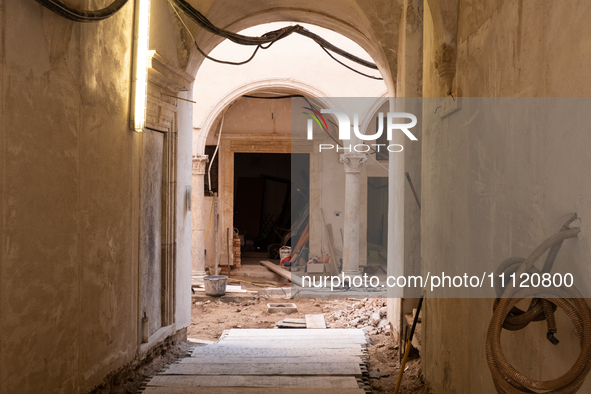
{"x": 264, "y": 192}
{"x": 158, "y": 230}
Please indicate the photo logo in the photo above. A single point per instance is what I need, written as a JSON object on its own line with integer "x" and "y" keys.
{"x": 345, "y": 129}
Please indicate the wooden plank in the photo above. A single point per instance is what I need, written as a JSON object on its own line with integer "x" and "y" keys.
{"x": 333, "y": 256}
{"x": 266, "y": 360}
{"x": 301, "y": 321}
{"x": 319, "y": 343}
{"x": 290, "y": 325}
{"x": 202, "y": 290}
{"x": 266, "y": 332}
{"x": 290, "y": 334}
{"x": 282, "y": 272}
{"x": 300, "y": 244}
{"x": 271, "y": 331}
{"x": 200, "y": 341}
{"x": 246, "y": 390}
{"x": 315, "y": 382}
{"x": 295, "y": 344}
{"x": 299, "y": 369}
{"x": 315, "y": 321}
{"x": 228, "y": 286}
{"x": 288, "y": 339}
{"x": 276, "y": 352}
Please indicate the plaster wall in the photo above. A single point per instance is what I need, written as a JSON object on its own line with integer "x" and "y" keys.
{"x": 70, "y": 199}
{"x": 404, "y": 234}
{"x": 495, "y": 195}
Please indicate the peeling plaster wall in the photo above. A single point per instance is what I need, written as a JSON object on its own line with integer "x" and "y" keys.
{"x": 495, "y": 195}
{"x": 69, "y": 194}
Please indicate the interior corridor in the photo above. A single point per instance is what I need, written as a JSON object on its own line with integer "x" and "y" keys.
{"x": 411, "y": 172}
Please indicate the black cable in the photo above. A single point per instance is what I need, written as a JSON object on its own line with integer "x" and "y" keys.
{"x": 350, "y": 68}
{"x": 327, "y": 45}
{"x": 269, "y": 37}
{"x": 85, "y": 16}
{"x": 226, "y": 61}
{"x": 272, "y": 97}
{"x": 63, "y": 10}
{"x": 202, "y": 21}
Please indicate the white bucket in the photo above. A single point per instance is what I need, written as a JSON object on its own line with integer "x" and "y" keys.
{"x": 284, "y": 252}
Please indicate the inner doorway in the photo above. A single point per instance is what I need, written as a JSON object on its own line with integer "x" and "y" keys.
{"x": 264, "y": 191}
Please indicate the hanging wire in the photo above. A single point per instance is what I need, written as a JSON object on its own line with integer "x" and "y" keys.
{"x": 85, "y": 16}
{"x": 350, "y": 68}
{"x": 76, "y": 15}
{"x": 268, "y": 38}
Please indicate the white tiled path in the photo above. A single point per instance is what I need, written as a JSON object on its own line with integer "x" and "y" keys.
{"x": 264, "y": 361}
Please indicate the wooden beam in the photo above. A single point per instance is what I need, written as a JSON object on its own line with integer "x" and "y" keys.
{"x": 267, "y": 381}
{"x": 247, "y": 390}
{"x": 333, "y": 257}
{"x": 315, "y": 321}
{"x": 282, "y": 272}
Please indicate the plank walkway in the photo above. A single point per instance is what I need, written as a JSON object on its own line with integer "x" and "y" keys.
{"x": 264, "y": 361}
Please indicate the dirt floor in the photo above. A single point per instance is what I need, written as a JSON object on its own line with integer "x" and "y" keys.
{"x": 211, "y": 318}
{"x": 132, "y": 377}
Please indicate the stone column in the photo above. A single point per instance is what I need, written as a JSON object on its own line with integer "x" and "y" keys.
{"x": 197, "y": 207}
{"x": 352, "y": 164}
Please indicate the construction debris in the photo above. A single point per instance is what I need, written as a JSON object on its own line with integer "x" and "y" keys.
{"x": 367, "y": 314}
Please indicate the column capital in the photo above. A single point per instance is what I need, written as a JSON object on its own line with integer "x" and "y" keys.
{"x": 199, "y": 164}
{"x": 352, "y": 162}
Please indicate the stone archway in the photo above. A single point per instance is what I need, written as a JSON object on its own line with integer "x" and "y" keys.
{"x": 362, "y": 26}
{"x": 346, "y": 17}
{"x": 255, "y": 143}
{"x": 286, "y": 85}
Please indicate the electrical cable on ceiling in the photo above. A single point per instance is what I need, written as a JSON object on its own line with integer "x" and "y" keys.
{"x": 267, "y": 38}
{"x": 350, "y": 68}
{"x": 63, "y": 10}
{"x": 85, "y": 16}
{"x": 211, "y": 58}
{"x": 226, "y": 61}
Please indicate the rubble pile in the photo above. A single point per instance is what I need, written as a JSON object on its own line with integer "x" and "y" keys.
{"x": 367, "y": 314}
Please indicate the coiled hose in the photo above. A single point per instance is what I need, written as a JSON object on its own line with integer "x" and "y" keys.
{"x": 506, "y": 315}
